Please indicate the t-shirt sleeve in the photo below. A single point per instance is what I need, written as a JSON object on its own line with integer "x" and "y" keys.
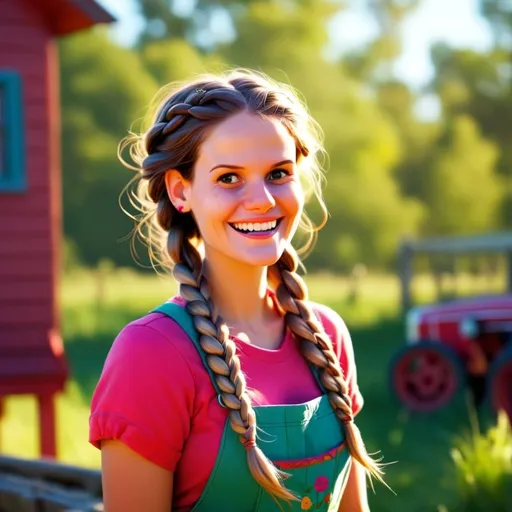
{"x": 144, "y": 396}
{"x": 344, "y": 350}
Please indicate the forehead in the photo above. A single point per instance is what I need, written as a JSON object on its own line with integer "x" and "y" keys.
{"x": 245, "y": 139}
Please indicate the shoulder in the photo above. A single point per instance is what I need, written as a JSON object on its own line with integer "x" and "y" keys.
{"x": 334, "y": 326}
{"x": 151, "y": 337}
{"x": 330, "y": 319}
{"x": 150, "y": 349}
{"x": 147, "y": 390}
{"x": 339, "y": 334}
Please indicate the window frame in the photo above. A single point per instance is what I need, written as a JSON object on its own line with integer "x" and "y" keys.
{"x": 13, "y": 176}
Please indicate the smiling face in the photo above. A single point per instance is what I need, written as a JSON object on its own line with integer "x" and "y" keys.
{"x": 246, "y": 196}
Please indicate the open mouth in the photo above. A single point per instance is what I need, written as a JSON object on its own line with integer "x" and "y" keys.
{"x": 256, "y": 227}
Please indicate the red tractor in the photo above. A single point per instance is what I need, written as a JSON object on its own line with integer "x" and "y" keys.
{"x": 453, "y": 345}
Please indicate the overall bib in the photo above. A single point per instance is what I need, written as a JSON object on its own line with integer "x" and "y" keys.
{"x": 303, "y": 440}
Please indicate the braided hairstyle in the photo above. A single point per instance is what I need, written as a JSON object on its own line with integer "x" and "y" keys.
{"x": 172, "y": 142}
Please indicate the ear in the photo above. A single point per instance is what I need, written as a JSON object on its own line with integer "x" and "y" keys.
{"x": 178, "y": 190}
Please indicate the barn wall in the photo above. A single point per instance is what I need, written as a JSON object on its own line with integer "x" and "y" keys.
{"x": 30, "y": 221}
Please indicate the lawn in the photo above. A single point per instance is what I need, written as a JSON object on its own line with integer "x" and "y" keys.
{"x": 96, "y": 305}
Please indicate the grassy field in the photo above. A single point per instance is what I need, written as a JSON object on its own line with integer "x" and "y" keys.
{"x": 96, "y": 305}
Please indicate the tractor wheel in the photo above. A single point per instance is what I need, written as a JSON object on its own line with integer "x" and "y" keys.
{"x": 500, "y": 383}
{"x": 426, "y": 376}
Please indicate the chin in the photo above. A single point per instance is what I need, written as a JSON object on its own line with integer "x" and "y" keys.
{"x": 258, "y": 257}
{"x": 260, "y": 260}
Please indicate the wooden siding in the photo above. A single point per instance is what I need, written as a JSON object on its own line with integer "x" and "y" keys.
{"x": 30, "y": 221}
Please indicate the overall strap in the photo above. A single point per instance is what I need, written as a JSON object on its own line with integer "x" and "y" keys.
{"x": 183, "y": 318}
{"x": 316, "y": 373}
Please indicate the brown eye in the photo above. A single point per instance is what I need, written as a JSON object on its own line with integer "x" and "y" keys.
{"x": 278, "y": 174}
{"x": 229, "y": 179}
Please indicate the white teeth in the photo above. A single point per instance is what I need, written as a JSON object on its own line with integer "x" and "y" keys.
{"x": 256, "y": 226}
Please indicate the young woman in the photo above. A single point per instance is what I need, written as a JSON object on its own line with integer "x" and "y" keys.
{"x": 239, "y": 394}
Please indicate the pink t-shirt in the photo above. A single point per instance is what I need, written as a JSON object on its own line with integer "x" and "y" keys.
{"x": 155, "y": 395}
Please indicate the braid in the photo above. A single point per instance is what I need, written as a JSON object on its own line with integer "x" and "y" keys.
{"x": 317, "y": 349}
{"x": 222, "y": 360}
{"x": 199, "y": 108}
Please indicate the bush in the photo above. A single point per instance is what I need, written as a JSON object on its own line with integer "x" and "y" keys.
{"x": 483, "y": 465}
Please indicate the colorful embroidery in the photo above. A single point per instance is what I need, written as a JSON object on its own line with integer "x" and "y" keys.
{"x": 321, "y": 500}
{"x": 321, "y": 484}
{"x": 306, "y": 503}
{"x": 310, "y": 461}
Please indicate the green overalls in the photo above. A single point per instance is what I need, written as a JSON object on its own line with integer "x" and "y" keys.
{"x": 303, "y": 440}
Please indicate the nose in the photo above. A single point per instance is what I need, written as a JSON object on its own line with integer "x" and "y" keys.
{"x": 258, "y": 197}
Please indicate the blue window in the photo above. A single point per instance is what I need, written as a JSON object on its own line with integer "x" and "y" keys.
{"x": 12, "y": 144}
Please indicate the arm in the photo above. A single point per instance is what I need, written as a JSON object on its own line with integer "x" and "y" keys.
{"x": 140, "y": 419}
{"x": 131, "y": 483}
{"x": 355, "y": 498}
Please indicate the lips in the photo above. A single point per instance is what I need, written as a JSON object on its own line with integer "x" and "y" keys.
{"x": 256, "y": 227}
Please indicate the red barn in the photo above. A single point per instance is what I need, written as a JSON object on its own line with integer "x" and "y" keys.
{"x": 32, "y": 359}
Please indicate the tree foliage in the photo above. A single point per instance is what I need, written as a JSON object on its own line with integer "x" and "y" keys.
{"x": 390, "y": 174}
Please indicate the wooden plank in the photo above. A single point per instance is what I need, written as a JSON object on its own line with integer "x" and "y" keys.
{"x": 24, "y": 289}
{"x": 38, "y": 136}
{"x": 22, "y": 494}
{"x": 37, "y": 188}
{"x": 17, "y": 247}
{"x": 37, "y": 162}
{"x": 28, "y": 65}
{"x": 19, "y": 33}
{"x": 20, "y": 226}
{"x": 38, "y": 176}
{"x": 25, "y": 280}
{"x": 56, "y": 472}
{"x": 32, "y": 385}
{"x": 14, "y": 272}
{"x": 6, "y": 302}
{"x": 22, "y": 220}
{"x": 23, "y": 336}
{"x": 28, "y": 204}
{"x": 37, "y": 114}
{"x": 35, "y": 365}
{"x": 24, "y": 48}
{"x": 29, "y": 314}
{"x": 11, "y": 354}
{"x": 27, "y": 233}
{"x": 26, "y": 260}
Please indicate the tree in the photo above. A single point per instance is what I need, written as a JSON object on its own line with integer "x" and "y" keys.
{"x": 104, "y": 89}
{"x": 368, "y": 212}
{"x": 373, "y": 63}
{"x": 194, "y": 22}
{"x": 464, "y": 191}
{"x": 171, "y": 60}
{"x": 478, "y": 85}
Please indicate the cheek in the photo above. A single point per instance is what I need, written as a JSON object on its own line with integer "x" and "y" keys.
{"x": 291, "y": 198}
{"x": 210, "y": 214}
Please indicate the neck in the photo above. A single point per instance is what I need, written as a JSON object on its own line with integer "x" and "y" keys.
{"x": 238, "y": 291}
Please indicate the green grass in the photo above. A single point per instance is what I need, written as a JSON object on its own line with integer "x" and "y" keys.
{"x": 95, "y": 306}
{"x": 484, "y": 466}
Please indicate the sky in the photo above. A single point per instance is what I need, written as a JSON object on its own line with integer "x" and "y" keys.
{"x": 456, "y": 22}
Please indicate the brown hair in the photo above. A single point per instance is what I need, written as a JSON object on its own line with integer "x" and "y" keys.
{"x": 172, "y": 142}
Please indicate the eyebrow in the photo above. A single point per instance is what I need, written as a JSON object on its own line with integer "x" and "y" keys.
{"x": 238, "y": 167}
